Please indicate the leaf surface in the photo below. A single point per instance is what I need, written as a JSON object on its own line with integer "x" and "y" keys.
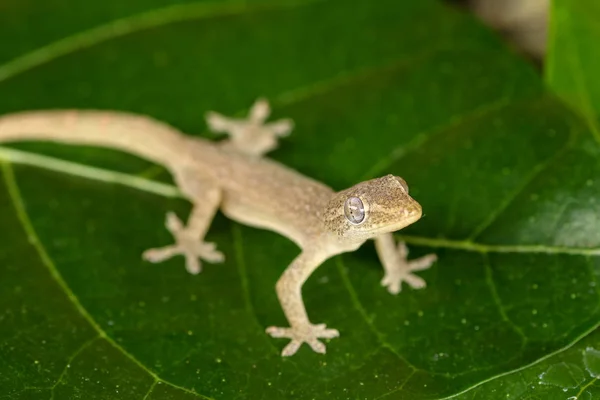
{"x": 573, "y": 57}
{"x": 570, "y": 374}
{"x": 506, "y": 174}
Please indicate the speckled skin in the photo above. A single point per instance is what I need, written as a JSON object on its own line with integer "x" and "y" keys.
{"x": 232, "y": 176}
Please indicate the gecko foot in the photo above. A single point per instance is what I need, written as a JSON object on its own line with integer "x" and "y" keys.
{"x": 251, "y": 136}
{"x": 402, "y": 272}
{"x": 186, "y": 244}
{"x": 307, "y": 333}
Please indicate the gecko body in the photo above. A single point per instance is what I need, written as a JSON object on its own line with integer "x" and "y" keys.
{"x": 233, "y": 176}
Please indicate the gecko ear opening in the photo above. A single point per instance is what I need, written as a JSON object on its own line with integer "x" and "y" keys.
{"x": 371, "y": 208}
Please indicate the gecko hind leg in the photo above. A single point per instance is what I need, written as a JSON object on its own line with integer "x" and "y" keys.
{"x": 251, "y": 136}
{"x": 189, "y": 239}
{"x": 186, "y": 244}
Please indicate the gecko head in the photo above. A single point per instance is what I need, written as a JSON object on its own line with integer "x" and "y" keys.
{"x": 371, "y": 208}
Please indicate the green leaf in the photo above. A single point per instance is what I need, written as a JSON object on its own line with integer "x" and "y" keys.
{"x": 569, "y": 374}
{"x": 506, "y": 174}
{"x": 574, "y": 57}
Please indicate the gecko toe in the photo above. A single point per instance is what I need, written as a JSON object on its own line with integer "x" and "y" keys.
{"x": 415, "y": 281}
{"x": 392, "y": 284}
{"x": 291, "y": 348}
{"x": 277, "y": 332}
{"x": 422, "y": 263}
{"x": 316, "y": 345}
{"x": 159, "y": 254}
{"x": 209, "y": 253}
{"x": 193, "y": 265}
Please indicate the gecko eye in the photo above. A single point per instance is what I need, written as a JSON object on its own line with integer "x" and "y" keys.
{"x": 354, "y": 210}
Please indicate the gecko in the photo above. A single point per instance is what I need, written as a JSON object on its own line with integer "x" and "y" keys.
{"x": 234, "y": 176}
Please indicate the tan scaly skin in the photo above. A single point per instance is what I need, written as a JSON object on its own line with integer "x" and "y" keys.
{"x": 233, "y": 176}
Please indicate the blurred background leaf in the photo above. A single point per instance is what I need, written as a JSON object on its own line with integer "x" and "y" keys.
{"x": 573, "y": 59}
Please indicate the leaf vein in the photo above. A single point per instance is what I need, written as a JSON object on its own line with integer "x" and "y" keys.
{"x": 150, "y": 389}
{"x": 399, "y": 388}
{"x": 508, "y": 200}
{"x": 81, "y": 348}
{"x": 467, "y": 245}
{"x": 361, "y": 310}
{"x": 489, "y": 280}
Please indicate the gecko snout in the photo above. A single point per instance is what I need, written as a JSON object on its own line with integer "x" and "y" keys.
{"x": 412, "y": 212}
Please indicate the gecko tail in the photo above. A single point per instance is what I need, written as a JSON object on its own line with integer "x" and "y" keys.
{"x": 132, "y": 133}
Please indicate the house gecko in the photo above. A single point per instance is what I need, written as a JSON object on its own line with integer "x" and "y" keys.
{"x": 234, "y": 176}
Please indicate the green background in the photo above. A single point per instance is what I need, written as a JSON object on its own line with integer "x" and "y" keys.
{"x": 505, "y": 165}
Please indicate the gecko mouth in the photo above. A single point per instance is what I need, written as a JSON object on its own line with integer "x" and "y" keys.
{"x": 398, "y": 220}
{"x": 408, "y": 215}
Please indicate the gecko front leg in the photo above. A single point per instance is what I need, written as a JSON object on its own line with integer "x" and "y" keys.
{"x": 396, "y": 265}
{"x": 189, "y": 239}
{"x": 289, "y": 292}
